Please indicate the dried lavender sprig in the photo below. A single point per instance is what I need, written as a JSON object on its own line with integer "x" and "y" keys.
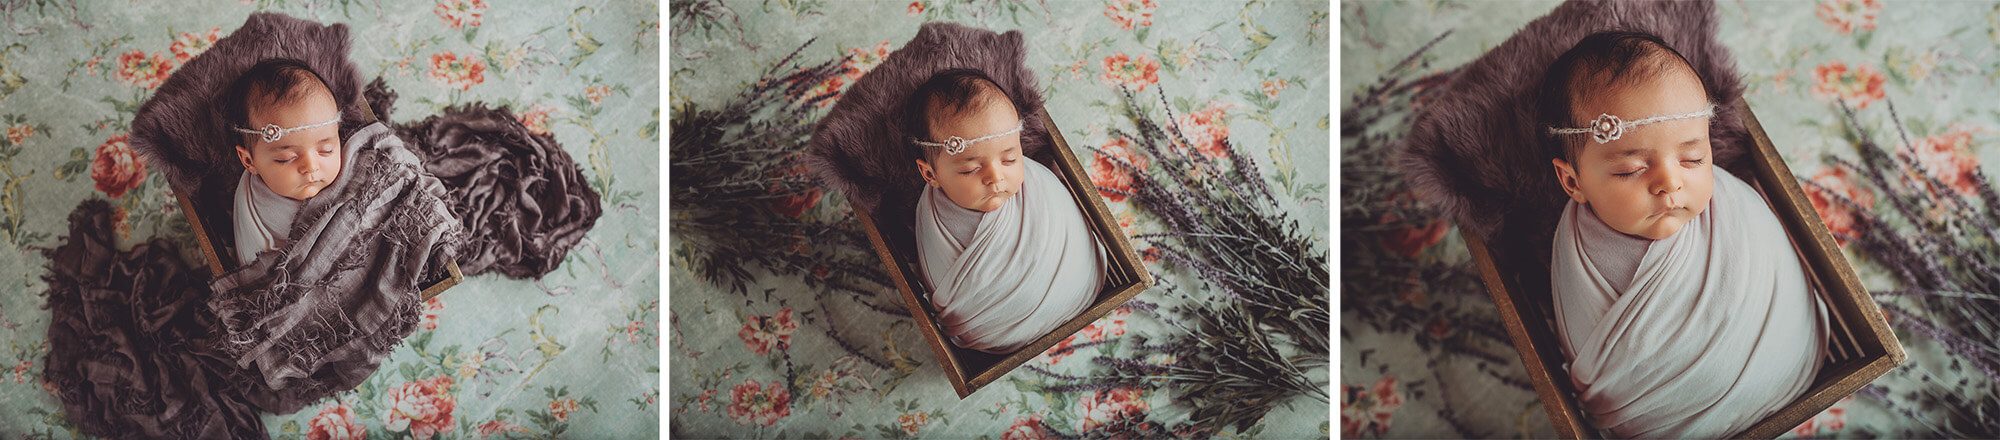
{"x": 1982, "y": 357}
{"x": 833, "y": 333}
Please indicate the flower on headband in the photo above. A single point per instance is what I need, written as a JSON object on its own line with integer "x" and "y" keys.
{"x": 954, "y": 145}
{"x": 1606, "y": 128}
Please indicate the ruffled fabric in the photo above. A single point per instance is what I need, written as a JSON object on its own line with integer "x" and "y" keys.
{"x": 522, "y": 198}
{"x": 122, "y": 353}
{"x": 318, "y": 316}
{"x": 140, "y": 345}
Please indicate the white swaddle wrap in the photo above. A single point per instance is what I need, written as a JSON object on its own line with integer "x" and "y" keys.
{"x": 263, "y": 218}
{"x": 1027, "y": 268}
{"x": 1716, "y": 328}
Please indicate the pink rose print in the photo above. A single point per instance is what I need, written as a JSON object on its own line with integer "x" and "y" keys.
{"x": 1129, "y": 14}
{"x": 536, "y": 119}
{"x": 336, "y": 422}
{"x": 754, "y": 403}
{"x": 1061, "y": 350}
{"x": 189, "y": 44}
{"x": 911, "y": 422}
{"x": 1108, "y": 175}
{"x": 561, "y": 408}
{"x": 1121, "y": 69}
{"x": 1826, "y": 423}
{"x": 1208, "y": 130}
{"x": 861, "y": 60}
{"x": 596, "y": 93}
{"x": 1102, "y": 407}
{"x": 142, "y": 70}
{"x": 794, "y": 205}
{"x": 1859, "y": 86}
{"x": 1948, "y": 158}
{"x": 1271, "y": 87}
{"x": 459, "y": 14}
{"x": 1847, "y": 15}
{"x": 21, "y": 371}
{"x": 497, "y": 426}
{"x": 916, "y": 9}
{"x": 1112, "y": 324}
{"x": 762, "y": 333}
{"x": 116, "y": 168}
{"x": 432, "y": 307}
{"x": 452, "y": 70}
{"x": 1411, "y": 240}
{"x": 1368, "y": 410}
{"x": 1839, "y": 218}
{"x": 19, "y": 133}
{"x": 1026, "y": 428}
{"x": 424, "y": 408}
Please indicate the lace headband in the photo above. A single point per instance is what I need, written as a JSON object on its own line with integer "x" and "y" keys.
{"x": 955, "y": 144}
{"x": 1607, "y": 128}
{"x": 272, "y": 132}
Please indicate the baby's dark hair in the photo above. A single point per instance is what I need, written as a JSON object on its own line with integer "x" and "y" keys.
{"x": 270, "y": 82}
{"x": 954, "y": 91}
{"x": 1600, "y": 62}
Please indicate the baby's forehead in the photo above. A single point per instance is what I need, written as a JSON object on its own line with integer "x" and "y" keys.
{"x": 1667, "y": 91}
{"x": 984, "y": 101}
{"x": 304, "y": 102}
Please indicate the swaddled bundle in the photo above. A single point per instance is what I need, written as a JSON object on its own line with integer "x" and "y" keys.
{"x": 1699, "y": 334}
{"x": 1017, "y": 273}
{"x": 317, "y": 315}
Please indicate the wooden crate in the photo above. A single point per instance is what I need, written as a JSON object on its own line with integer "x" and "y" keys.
{"x": 970, "y": 369}
{"x": 208, "y": 213}
{"x": 1862, "y": 346}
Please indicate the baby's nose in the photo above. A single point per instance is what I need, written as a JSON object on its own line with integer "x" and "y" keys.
{"x": 1667, "y": 184}
{"x": 309, "y": 167}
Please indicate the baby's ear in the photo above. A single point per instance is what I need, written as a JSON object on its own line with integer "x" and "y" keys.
{"x": 243, "y": 155}
{"x": 924, "y": 170}
{"x": 1566, "y": 176}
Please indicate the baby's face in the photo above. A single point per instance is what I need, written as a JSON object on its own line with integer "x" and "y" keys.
{"x": 1656, "y": 177}
{"x": 986, "y": 174}
{"x": 301, "y": 163}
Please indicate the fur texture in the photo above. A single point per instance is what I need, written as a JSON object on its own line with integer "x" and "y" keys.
{"x": 1474, "y": 152}
{"x": 181, "y": 130}
{"x": 859, "y": 147}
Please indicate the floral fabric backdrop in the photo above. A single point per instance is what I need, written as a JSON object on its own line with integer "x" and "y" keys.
{"x": 1883, "y": 110}
{"x": 791, "y": 352}
{"x": 574, "y": 354}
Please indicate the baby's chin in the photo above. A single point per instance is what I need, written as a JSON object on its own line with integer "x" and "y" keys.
{"x": 1664, "y": 226}
{"x": 305, "y": 193}
{"x": 986, "y": 204}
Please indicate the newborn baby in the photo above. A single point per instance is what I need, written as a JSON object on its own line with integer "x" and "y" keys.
{"x": 290, "y": 149}
{"x": 336, "y": 233}
{"x": 1003, "y": 246}
{"x": 1681, "y": 305}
